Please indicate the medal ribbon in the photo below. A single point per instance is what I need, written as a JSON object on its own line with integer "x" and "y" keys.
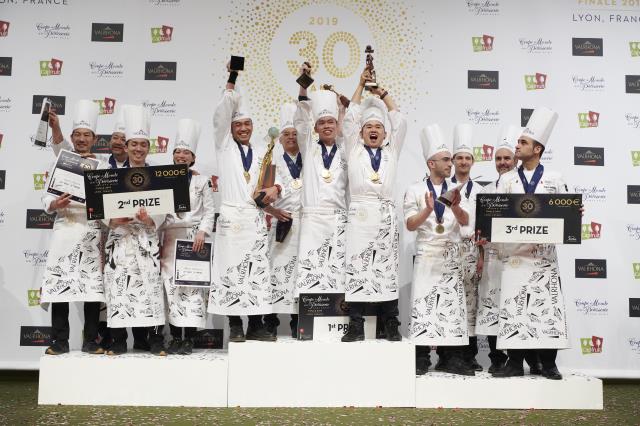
{"x": 246, "y": 158}
{"x": 467, "y": 193}
{"x": 294, "y": 168}
{"x": 375, "y": 158}
{"x": 438, "y": 208}
{"x": 530, "y": 187}
{"x": 328, "y": 158}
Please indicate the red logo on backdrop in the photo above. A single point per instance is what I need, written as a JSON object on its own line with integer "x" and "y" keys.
{"x": 487, "y": 152}
{"x": 596, "y": 229}
{"x": 109, "y": 105}
{"x": 4, "y": 28}
{"x": 487, "y": 41}
{"x": 541, "y": 80}
{"x": 1, "y": 136}
{"x": 56, "y": 66}
{"x": 163, "y": 143}
{"x": 214, "y": 183}
{"x": 593, "y": 118}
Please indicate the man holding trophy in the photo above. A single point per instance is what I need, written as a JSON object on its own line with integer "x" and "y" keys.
{"x": 374, "y": 136}
{"x": 241, "y": 273}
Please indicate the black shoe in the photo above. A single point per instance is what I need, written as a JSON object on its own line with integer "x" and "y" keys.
{"x": 473, "y": 364}
{"x": 117, "y": 348}
{"x": 495, "y": 366}
{"x": 456, "y": 365}
{"x": 509, "y": 370}
{"x": 106, "y": 343}
{"x": 174, "y": 346}
{"x": 355, "y": 333}
{"x": 536, "y": 369}
{"x": 236, "y": 333}
{"x": 157, "y": 348}
{"x": 187, "y": 347}
{"x": 294, "y": 331}
{"x": 391, "y": 330}
{"x": 141, "y": 345}
{"x": 381, "y": 332}
{"x": 261, "y": 334}
{"x": 551, "y": 373}
{"x": 441, "y": 365}
{"x": 272, "y": 329}
{"x": 58, "y": 347}
{"x": 422, "y": 365}
{"x": 91, "y": 347}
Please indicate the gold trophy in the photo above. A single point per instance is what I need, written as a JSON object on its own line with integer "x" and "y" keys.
{"x": 267, "y": 174}
{"x": 343, "y": 99}
{"x": 371, "y": 84}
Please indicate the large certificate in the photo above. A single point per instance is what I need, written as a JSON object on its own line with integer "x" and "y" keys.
{"x": 192, "y": 269}
{"x": 529, "y": 218}
{"x": 113, "y": 193}
{"x": 68, "y": 175}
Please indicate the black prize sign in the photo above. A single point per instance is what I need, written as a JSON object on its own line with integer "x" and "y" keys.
{"x": 586, "y": 46}
{"x": 121, "y": 192}
{"x": 483, "y": 79}
{"x": 529, "y": 218}
{"x": 160, "y": 70}
{"x": 57, "y": 102}
{"x": 107, "y": 32}
{"x": 35, "y": 336}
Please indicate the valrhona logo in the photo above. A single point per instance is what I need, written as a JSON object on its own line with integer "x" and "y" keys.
{"x": 537, "y": 81}
{"x": 525, "y": 115}
{"x": 538, "y": 45}
{"x": 35, "y": 336}
{"x": 634, "y": 307}
{"x": 591, "y": 268}
{"x": 4, "y": 28}
{"x": 40, "y": 180}
{"x": 592, "y": 307}
{"x": 588, "y": 119}
{"x": 161, "y": 34}
{"x": 483, "y": 153}
{"x": 586, "y": 46}
{"x": 588, "y": 156}
{"x": 591, "y": 345}
{"x": 50, "y": 67}
{"x": 111, "y": 33}
{"x": 633, "y": 194}
{"x": 39, "y": 219}
{"x": 632, "y": 83}
{"x": 6, "y": 64}
{"x": 107, "y": 105}
{"x": 634, "y": 46}
{"x": 57, "y": 102}
{"x": 160, "y": 70}
{"x": 106, "y": 69}
{"x": 158, "y": 145}
{"x": 102, "y": 145}
{"x": 3, "y": 178}
{"x": 483, "y": 79}
{"x": 482, "y": 43}
{"x": 591, "y": 230}
{"x": 483, "y": 116}
{"x": 483, "y": 7}
{"x": 57, "y": 30}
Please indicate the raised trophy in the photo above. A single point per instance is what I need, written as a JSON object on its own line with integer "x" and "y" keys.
{"x": 343, "y": 99}
{"x": 267, "y": 174}
{"x": 371, "y": 84}
{"x": 305, "y": 79}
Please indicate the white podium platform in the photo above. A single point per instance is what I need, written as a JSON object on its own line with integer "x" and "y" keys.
{"x": 574, "y": 391}
{"x": 139, "y": 379}
{"x": 291, "y": 373}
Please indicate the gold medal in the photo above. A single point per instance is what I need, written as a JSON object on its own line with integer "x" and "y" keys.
{"x": 374, "y": 177}
{"x": 296, "y": 184}
{"x": 247, "y": 176}
{"x": 439, "y": 228}
{"x": 326, "y": 174}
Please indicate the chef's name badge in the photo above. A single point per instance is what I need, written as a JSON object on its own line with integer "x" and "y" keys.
{"x": 529, "y": 218}
{"x": 159, "y": 189}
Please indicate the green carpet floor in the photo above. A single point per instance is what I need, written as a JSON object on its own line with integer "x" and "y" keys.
{"x": 19, "y": 391}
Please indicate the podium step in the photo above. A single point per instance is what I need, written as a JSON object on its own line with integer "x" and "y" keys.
{"x": 291, "y": 373}
{"x": 437, "y": 389}
{"x": 138, "y": 379}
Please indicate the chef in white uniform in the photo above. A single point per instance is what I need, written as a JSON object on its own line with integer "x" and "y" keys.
{"x": 374, "y": 136}
{"x": 241, "y": 273}
{"x": 489, "y": 262}
{"x": 285, "y": 232}
{"x": 438, "y": 307}
{"x": 321, "y": 254}
{"x": 532, "y": 311}
{"x": 74, "y": 266}
{"x": 187, "y": 306}
{"x": 133, "y": 287}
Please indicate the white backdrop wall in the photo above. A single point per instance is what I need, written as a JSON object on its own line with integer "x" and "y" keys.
{"x": 424, "y": 51}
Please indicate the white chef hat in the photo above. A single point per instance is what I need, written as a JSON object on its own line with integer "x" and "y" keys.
{"x": 188, "y": 135}
{"x": 137, "y": 122}
{"x": 242, "y": 110}
{"x": 86, "y": 115}
{"x": 508, "y": 138}
{"x": 462, "y": 137}
{"x": 323, "y": 104}
{"x": 433, "y": 142}
{"x": 120, "y": 127}
{"x": 540, "y": 125}
{"x": 287, "y": 111}
{"x": 373, "y": 109}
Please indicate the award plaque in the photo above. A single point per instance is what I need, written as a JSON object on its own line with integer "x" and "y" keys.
{"x": 371, "y": 84}
{"x": 343, "y": 99}
{"x": 68, "y": 175}
{"x": 192, "y": 269}
{"x": 236, "y": 63}
{"x": 43, "y": 124}
{"x": 447, "y": 197}
{"x": 305, "y": 79}
{"x": 112, "y": 193}
{"x": 529, "y": 218}
{"x": 267, "y": 174}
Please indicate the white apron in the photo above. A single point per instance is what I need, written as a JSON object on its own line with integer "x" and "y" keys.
{"x": 284, "y": 259}
{"x": 438, "y": 311}
{"x": 322, "y": 251}
{"x": 241, "y": 275}
{"x": 187, "y": 306}
{"x": 371, "y": 251}
{"x": 133, "y": 287}
{"x": 489, "y": 293}
{"x": 74, "y": 265}
{"x": 532, "y": 314}
{"x": 469, "y": 258}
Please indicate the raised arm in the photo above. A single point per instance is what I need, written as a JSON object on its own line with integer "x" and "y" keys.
{"x": 223, "y": 113}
